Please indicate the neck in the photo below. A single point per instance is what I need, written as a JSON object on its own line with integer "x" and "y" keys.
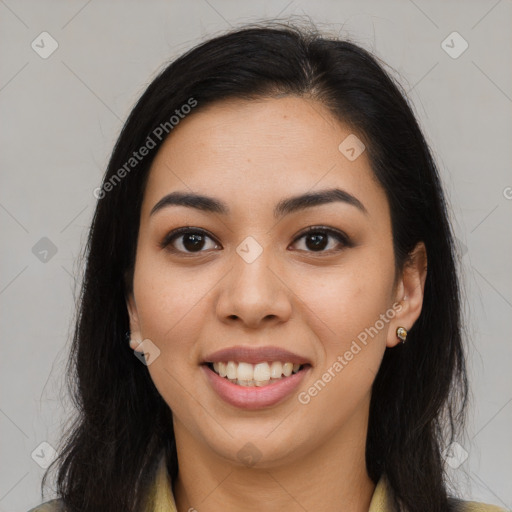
{"x": 331, "y": 477}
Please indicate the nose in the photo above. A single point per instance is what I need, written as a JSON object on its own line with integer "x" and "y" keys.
{"x": 254, "y": 294}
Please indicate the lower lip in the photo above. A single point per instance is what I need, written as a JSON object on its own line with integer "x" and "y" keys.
{"x": 254, "y": 397}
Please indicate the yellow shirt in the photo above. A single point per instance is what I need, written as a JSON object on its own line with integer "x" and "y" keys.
{"x": 162, "y": 499}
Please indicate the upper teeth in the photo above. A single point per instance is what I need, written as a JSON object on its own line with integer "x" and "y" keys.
{"x": 254, "y": 374}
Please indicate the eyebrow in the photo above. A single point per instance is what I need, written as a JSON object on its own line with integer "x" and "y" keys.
{"x": 284, "y": 207}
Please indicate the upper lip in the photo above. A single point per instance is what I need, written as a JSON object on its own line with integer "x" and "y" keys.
{"x": 255, "y": 355}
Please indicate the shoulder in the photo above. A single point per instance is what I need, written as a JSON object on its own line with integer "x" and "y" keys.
{"x": 49, "y": 506}
{"x": 382, "y": 501}
{"x": 473, "y": 506}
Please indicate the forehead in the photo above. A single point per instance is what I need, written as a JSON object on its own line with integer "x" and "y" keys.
{"x": 247, "y": 150}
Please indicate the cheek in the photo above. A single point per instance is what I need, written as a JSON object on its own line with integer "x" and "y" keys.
{"x": 169, "y": 303}
{"x": 344, "y": 312}
{"x": 348, "y": 299}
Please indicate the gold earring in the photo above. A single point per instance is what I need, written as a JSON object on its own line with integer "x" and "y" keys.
{"x": 401, "y": 332}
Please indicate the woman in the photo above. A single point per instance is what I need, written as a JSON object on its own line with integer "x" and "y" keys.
{"x": 271, "y": 242}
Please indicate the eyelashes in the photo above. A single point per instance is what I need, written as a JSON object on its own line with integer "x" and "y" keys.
{"x": 193, "y": 240}
{"x": 325, "y": 233}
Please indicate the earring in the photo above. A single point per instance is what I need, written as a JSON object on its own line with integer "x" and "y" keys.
{"x": 131, "y": 343}
{"x": 401, "y": 332}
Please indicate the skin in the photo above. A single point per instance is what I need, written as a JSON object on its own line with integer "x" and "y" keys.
{"x": 251, "y": 155}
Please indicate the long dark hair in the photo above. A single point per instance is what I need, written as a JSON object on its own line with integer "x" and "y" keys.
{"x": 123, "y": 425}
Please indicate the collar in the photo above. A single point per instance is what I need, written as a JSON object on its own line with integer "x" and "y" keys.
{"x": 162, "y": 499}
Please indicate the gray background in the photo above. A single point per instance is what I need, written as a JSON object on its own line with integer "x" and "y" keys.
{"x": 61, "y": 116}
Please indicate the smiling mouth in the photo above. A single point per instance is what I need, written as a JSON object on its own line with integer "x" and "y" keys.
{"x": 255, "y": 375}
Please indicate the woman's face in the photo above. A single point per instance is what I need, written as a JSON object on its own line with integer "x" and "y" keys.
{"x": 246, "y": 276}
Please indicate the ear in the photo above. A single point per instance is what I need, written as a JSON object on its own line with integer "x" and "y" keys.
{"x": 135, "y": 333}
{"x": 409, "y": 293}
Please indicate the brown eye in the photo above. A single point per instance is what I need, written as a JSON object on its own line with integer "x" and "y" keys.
{"x": 187, "y": 240}
{"x": 317, "y": 239}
